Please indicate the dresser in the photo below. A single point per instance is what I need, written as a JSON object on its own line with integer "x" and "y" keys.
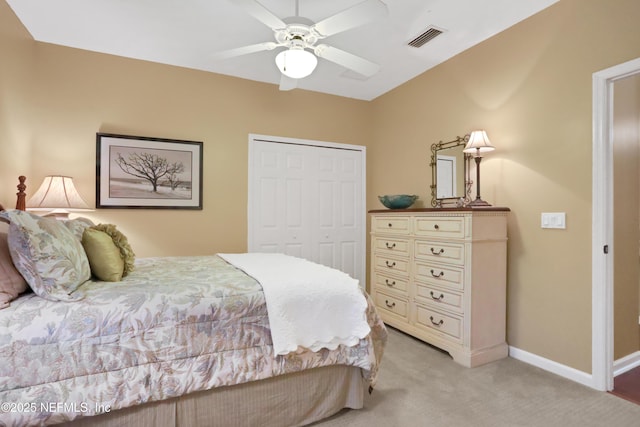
{"x": 440, "y": 275}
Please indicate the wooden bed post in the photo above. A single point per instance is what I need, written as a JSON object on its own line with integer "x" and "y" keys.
{"x": 20, "y": 202}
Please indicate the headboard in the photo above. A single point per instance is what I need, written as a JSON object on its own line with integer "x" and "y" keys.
{"x": 22, "y": 196}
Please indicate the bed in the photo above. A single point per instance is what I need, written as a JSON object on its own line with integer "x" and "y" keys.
{"x": 179, "y": 341}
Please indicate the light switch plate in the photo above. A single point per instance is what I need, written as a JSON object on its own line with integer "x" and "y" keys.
{"x": 553, "y": 220}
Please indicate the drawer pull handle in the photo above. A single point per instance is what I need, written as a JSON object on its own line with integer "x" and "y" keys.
{"x": 433, "y": 273}
{"x": 435, "y": 297}
{"x": 393, "y": 264}
{"x": 436, "y": 226}
{"x": 440, "y": 252}
{"x": 388, "y": 304}
{"x": 390, "y": 284}
{"x": 436, "y": 323}
{"x": 389, "y": 225}
{"x": 390, "y": 246}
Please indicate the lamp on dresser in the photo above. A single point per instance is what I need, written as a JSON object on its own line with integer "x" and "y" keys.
{"x": 478, "y": 144}
{"x": 58, "y": 196}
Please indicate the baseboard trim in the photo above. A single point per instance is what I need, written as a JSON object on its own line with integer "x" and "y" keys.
{"x": 626, "y": 363}
{"x": 620, "y": 366}
{"x": 551, "y": 366}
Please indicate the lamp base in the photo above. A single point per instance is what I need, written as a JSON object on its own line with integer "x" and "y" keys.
{"x": 478, "y": 202}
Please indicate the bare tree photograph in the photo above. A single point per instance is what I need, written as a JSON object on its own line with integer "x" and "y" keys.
{"x": 148, "y": 172}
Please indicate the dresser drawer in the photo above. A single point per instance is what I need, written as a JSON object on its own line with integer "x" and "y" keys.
{"x": 390, "y": 283}
{"x": 391, "y": 246}
{"x": 452, "y": 253}
{"x": 446, "y": 324}
{"x": 391, "y": 265}
{"x": 395, "y": 305}
{"x": 436, "y": 297}
{"x": 442, "y": 227}
{"x": 440, "y": 274}
{"x": 390, "y": 225}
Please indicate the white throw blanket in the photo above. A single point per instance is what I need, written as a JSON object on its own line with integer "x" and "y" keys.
{"x": 310, "y": 305}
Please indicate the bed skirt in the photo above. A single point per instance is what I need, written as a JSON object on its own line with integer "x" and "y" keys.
{"x": 286, "y": 400}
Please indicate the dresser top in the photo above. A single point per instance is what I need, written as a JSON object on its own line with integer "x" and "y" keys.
{"x": 478, "y": 209}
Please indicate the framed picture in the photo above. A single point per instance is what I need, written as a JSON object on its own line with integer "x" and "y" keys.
{"x": 147, "y": 173}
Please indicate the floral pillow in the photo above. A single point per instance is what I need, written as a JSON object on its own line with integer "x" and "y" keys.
{"x": 11, "y": 282}
{"x": 48, "y": 255}
{"x": 78, "y": 225}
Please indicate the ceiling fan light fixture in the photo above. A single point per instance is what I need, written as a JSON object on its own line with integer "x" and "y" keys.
{"x": 296, "y": 63}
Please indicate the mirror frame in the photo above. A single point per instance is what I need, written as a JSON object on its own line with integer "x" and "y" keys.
{"x": 450, "y": 201}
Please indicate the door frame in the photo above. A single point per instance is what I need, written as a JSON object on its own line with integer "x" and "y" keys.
{"x": 256, "y": 138}
{"x": 602, "y": 222}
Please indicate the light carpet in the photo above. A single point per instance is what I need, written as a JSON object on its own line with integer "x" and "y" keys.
{"x": 419, "y": 385}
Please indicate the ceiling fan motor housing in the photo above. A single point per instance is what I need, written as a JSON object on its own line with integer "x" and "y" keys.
{"x": 296, "y": 35}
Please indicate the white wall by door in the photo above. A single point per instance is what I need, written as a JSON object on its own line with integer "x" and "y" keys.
{"x": 307, "y": 199}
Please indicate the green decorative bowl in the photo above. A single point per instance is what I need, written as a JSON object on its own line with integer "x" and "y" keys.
{"x": 398, "y": 201}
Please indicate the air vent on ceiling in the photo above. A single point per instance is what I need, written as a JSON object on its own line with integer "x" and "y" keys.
{"x": 428, "y": 35}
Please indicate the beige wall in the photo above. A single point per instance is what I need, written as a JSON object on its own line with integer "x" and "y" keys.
{"x": 16, "y": 100}
{"x": 626, "y": 195}
{"x": 79, "y": 93}
{"x": 529, "y": 87}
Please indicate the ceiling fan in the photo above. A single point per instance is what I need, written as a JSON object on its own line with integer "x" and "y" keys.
{"x": 299, "y": 36}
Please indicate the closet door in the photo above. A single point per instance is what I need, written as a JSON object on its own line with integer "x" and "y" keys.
{"x": 338, "y": 222}
{"x": 306, "y": 199}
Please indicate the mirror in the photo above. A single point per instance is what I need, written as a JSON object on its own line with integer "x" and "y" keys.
{"x": 451, "y": 186}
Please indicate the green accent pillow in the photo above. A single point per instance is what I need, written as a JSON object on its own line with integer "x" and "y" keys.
{"x": 104, "y": 256}
{"x": 120, "y": 240}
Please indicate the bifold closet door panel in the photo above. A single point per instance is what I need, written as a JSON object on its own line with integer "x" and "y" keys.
{"x": 307, "y": 201}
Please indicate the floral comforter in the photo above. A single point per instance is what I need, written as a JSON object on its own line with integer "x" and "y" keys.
{"x": 174, "y": 326}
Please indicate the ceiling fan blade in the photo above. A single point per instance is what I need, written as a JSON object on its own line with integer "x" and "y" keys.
{"x": 245, "y": 50}
{"x": 261, "y": 13}
{"x": 347, "y": 60}
{"x": 360, "y": 14}
{"x": 287, "y": 83}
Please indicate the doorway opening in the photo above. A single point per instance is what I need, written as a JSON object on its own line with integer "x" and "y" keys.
{"x": 602, "y": 221}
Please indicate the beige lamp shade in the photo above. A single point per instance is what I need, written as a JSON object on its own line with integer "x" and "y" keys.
{"x": 58, "y": 195}
{"x": 478, "y": 143}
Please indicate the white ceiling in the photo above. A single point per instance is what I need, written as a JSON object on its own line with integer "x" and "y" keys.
{"x": 186, "y": 33}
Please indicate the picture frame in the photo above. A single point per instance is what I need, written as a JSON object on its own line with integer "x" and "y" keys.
{"x": 138, "y": 172}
